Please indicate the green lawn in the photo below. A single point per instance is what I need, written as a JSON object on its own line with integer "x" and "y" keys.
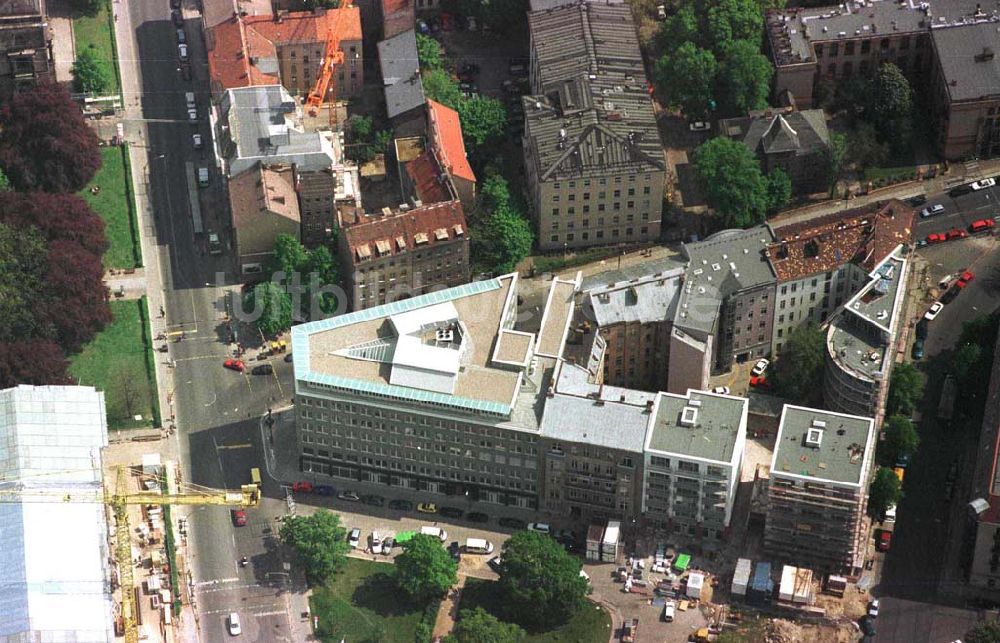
{"x": 591, "y": 624}
{"x": 95, "y": 31}
{"x": 875, "y": 173}
{"x": 362, "y": 603}
{"x": 118, "y": 361}
{"x": 113, "y": 203}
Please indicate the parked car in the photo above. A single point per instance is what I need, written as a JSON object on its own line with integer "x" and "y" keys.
{"x": 234, "y": 365}
{"x": 288, "y": 358}
{"x": 932, "y": 210}
{"x": 451, "y": 512}
{"x": 373, "y": 500}
{"x": 303, "y": 487}
{"x": 884, "y": 540}
{"x": 512, "y": 523}
{"x": 494, "y": 563}
{"x": 721, "y": 390}
{"x": 239, "y": 517}
{"x": 956, "y": 233}
{"x": 427, "y": 508}
{"x": 177, "y": 18}
{"x": 262, "y": 369}
{"x": 387, "y": 544}
{"x": 914, "y": 201}
{"x": 917, "y": 352}
{"x": 936, "y": 237}
{"x": 324, "y": 490}
{"x": 182, "y": 52}
{"x": 354, "y": 539}
{"x": 175, "y": 4}
{"x": 873, "y": 608}
{"x": 401, "y": 505}
{"x": 960, "y": 190}
{"x": 192, "y": 116}
{"x": 982, "y": 184}
{"x": 376, "y": 540}
{"x": 234, "y": 624}
{"x": 477, "y": 516}
{"x": 759, "y": 368}
{"x": 699, "y": 126}
{"x": 757, "y": 381}
{"x": 349, "y": 495}
{"x": 455, "y": 550}
{"x": 181, "y": 36}
{"x": 933, "y": 311}
{"x": 540, "y": 527}
{"x": 964, "y": 280}
{"x": 196, "y": 141}
{"x": 982, "y": 225}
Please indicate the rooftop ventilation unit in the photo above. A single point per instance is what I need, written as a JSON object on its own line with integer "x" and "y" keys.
{"x": 818, "y": 424}
{"x": 814, "y": 437}
{"x": 689, "y": 415}
{"x": 444, "y": 335}
{"x": 694, "y": 403}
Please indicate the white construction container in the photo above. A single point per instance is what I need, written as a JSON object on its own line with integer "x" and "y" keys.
{"x": 612, "y": 542}
{"x": 695, "y": 582}
{"x": 786, "y": 588}
{"x": 741, "y": 577}
{"x": 595, "y": 535}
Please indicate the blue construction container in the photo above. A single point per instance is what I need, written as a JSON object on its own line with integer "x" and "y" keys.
{"x": 761, "y": 585}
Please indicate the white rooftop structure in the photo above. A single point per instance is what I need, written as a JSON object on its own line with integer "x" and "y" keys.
{"x": 428, "y": 348}
{"x": 53, "y": 555}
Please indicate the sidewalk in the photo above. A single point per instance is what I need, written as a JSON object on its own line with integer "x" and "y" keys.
{"x": 63, "y": 41}
{"x": 448, "y": 612}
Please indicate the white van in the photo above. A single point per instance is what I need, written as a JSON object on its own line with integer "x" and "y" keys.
{"x": 890, "y": 515}
{"x": 478, "y": 546}
{"x": 437, "y": 532}
{"x": 668, "y": 611}
{"x": 203, "y": 177}
{"x": 189, "y": 98}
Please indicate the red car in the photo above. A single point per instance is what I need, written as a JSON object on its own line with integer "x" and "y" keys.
{"x": 758, "y": 381}
{"x": 982, "y": 225}
{"x": 936, "y": 237}
{"x": 234, "y": 364}
{"x": 239, "y": 517}
{"x": 884, "y": 540}
{"x": 964, "y": 280}
{"x": 956, "y": 233}
{"x": 305, "y": 487}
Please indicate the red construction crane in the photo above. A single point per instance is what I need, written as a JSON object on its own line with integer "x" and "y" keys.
{"x": 333, "y": 56}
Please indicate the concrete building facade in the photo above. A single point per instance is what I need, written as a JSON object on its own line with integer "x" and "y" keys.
{"x": 592, "y": 150}
{"x": 26, "y": 46}
{"x": 818, "y": 489}
{"x": 982, "y": 528}
{"x": 263, "y": 204}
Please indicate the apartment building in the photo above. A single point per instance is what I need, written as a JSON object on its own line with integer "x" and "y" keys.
{"x": 286, "y": 48}
{"x": 634, "y": 316}
{"x": 593, "y": 157}
{"x": 398, "y": 254}
{"x": 726, "y": 309}
{"x": 262, "y": 125}
{"x": 439, "y": 169}
{"x": 823, "y": 262}
{"x": 396, "y": 16}
{"x": 26, "y": 46}
{"x": 405, "y": 103}
{"x": 797, "y": 143}
{"x": 861, "y": 341}
{"x": 692, "y": 460}
{"x": 818, "y": 489}
{"x": 965, "y": 81}
{"x": 263, "y": 203}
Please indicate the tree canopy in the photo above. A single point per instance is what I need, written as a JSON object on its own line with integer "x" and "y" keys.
{"x": 744, "y": 77}
{"x": 441, "y": 87}
{"x": 733, "y": 20}
{"x": 501, "y": 234}
{"x": 310, "y": 273}
{"x": 32, "y": 361}
{"x": 501, "y": 16}
{"x": 779, "y": 190}
{"x": 87, "y": 7}
{"x": 984, "y": 632}
{"x": 729, "y": 177}
{"x": 484, "y": 123}
{"x": 906, "y": 387}
{"x": 479, "y": 626}
{"x": 90, "y": 73}
{"x": 686, "y": 78}
{"x": 319, "y": 542}
{"x": 429, "y": 52}
{"x": 901, "y": 438}
{"x": 973, "y": 361}
{"x": 45, "y": 144}
{"x": 425, "y": 570}
{"x": 540, "y": 581}
{"x": 272, "y": 306}
{"x": 885, "y": 491}
{"x": 797, "y": 373}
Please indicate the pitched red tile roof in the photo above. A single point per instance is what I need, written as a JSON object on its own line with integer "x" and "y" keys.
{"x": 446, "y": 136}
{"x": 400, "y": 231}
{"x": 237, "y": 41}
{"x": 426, "y": 177}
{"x": 397, "y": 16}
{"x": 863, "y": 236}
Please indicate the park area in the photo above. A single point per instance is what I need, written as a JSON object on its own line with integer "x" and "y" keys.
{"x": 95, "y": 31}
{"x": 109, "y": 196}
{"x": 363, "y": 603}
{"x": 119, "y": 361}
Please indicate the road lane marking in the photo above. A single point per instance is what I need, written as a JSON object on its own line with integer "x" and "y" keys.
{"x": 216, "y": 581}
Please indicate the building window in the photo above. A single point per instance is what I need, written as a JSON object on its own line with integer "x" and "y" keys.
{"x": 848, "y": 48}
{"x": 834, "y": 49}
{"x": 884, "y": 43}
{"x": 555, "y": 212}
{"x": 555, "y": 238}
{"x": 904, "y": 43}
{"x": 819, "y": 51}
{"x": 831, "y": 70}
{"x": 866, "y": 46}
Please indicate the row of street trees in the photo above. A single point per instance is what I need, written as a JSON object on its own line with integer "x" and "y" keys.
{"x": 52, "y": 295}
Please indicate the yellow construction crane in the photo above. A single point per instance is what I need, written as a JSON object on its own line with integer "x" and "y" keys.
{"x": 119, "y": 498}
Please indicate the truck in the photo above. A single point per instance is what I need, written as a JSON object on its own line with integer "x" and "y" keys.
{"x": 203, "y": 177}
{"x": 215, "y": 248}
{"x": 946, "y": 407}
{"x": 629, "y": 630}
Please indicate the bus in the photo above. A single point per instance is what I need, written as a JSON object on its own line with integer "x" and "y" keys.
{"x": 949, "y": 390}
{"x": 255, "y": 476}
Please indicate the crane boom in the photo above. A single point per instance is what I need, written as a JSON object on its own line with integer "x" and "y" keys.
{"x": 332, "y": 56}
{"x": 119, "y": 500}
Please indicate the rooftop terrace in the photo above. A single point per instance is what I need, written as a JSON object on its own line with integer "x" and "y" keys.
{"x": 823, "y": 445}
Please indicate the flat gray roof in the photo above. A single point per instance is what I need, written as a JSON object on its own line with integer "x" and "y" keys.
{"x": 646, "y": 299}
{"x": 844, "y": 446}
{"x": 968, "y": 58}
{"x": 714, "y": 434}
{"x": 724, "y": 263}
{"x": 397, "y": 57}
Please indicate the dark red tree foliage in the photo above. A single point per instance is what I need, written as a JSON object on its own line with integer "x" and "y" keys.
{"x": 57, "y": 216}
{"x": 45, "y": 144}
{"x": 32, "y": 361}
{"x": 77, "y": 305}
